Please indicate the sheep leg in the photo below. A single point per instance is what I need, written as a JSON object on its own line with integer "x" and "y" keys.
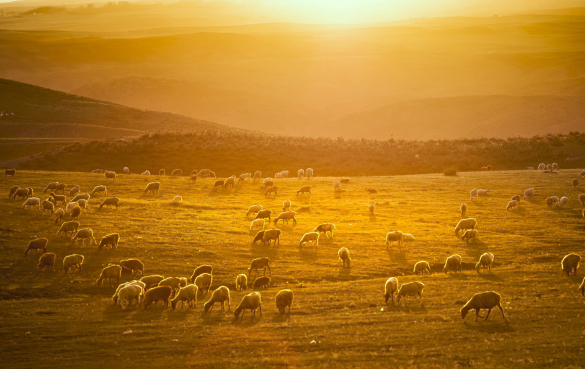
{"x": 502, "y": 310}
{"x": 488, "y": 314}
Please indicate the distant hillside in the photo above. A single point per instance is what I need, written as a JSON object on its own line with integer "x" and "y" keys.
{"x": 40, "y": 112}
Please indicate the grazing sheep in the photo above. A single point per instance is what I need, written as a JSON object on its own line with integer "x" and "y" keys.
{"x": 325, "y": 228}
{"x": 541, "y": 166}
{"x": 529, "y": 194}
{"x": 582, "y": 199}
{"x": 555, "y": 166}
{"x": 390, "y": 289}
{"x": 512, "y": 205}
{"x": 490, "y": 168}
{"x": 263, "y": 214}
{"x": 286, "y": 216}
{"x": 257, "y": 224}
{"x": 230, "y": 182}
{"x": 286, "y": 205}
{"x": 47, "y": 261}
{"x": 575, "y": 183}
{"x": 371, "y": 208}
{"x": 221, "y": 295}
{"x": 84, "y": 234}
{"x": 74, "y": 261}
{"x": 152, "y": 187}
{"x": 75, "y": 212}
{"x": 59, "y": 216}
{"x": 151, "y": 281}
{"x": 186, "y": 294}
{"x": 516, "y": 198}
{"x": 564, "y": 201}
{"x": 146, "y": 173}
{"x": 485, "y": 261}
{"x": 126, "y": 170}
{"x": 470, "y": 235}
{"x": 110, "y": 201}
{"x": 453, "y": 264}
{"x": 122, "y": 285}
{"x": 156, "y": 294}
{"x": 110, "y": 240}
{"x": 570, "y": 263}
{"x": 312, "y": 237}
{"x": 300, "y": 173}
{"x": 82, "y": 203}
{"x": 261, "y": 282}
{"x": 250, "y": 302}
{"x": 134, "y": 265}
{"x": 465, "y": 224}
{"x": 549, "y": 202}
{"x": 57, "y": 199}
{"x": 309, "y": 173}
{"x": 219, "y": 183}
{"x": 175, "y": 283}
{"x": 51, "y": 187}
{"x": 36, "y": 244}
{"x": 67, "y": 227}
{"x": 555, "y": 199}
{"x": 110, "y": 175}
{"x": 408, "y": 237}
{"x": 260, "y": 263}
{"x": 483, "y": 169}
{"x": 70, "y": 206}
{"x": 29, "y": 191}
{"x": 410, "y": 289}
{"x": 529, "y": 168}
{"x": 84, "y": 196}
{"x": 482, "y": 192}
{"x": 48, "y": 205}
{"x": 272, "y": 234}
{"x": 200, "y": 270}
{"x": 271, "y": 190}
{"x": 254, "y": 209}
{"x": 482, "y": 300}
{"x": 257, "y": 175}
{"x": 20, "y": 193}
{"x": 284, "y": 298}
{"x": 206, "y": 173}
{"x": 473, "y": 194}
{"x": 129, "y": 293}
{"x": 343, "y": 254}
{"x": 101, "y": 189}
{"x": 241, "y": 282}
{"x": 32, "y": 202}
{"x": 177, "y": 199}
{"x": 110, "y": 272}
{"x": 463, "y": 209}
{"x": 259, "y": 236}
{"x": 395, "y": 236}
{"x": 421, "y": 267}
{"x": 176, "y": 172}
{"x": 337, "y": 186}
{"x": 9, "y": 172}
{"x": 203, "y": 281}
{"x": 60, "y": 188}
{"x": 304, "y": 190}
{"x": 12, "y": 191}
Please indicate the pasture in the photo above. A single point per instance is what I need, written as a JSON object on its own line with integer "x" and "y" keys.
{"x": 338, "y": 317}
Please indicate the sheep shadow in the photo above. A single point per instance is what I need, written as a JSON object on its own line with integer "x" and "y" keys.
{"x": 178, "y": 314}
{"x": 310, "y": 254}
{"x": 491, "y": 277}
{"x": 153, "y": 312}
{"x": 344, "y": 273}
{"x": 407, "y": 306}
{"x": 214, "y": 317}
{"x": 490, "y": 326}
{"x": 247, "y": 321}
{"x": 397, "y": 255}
{"x": 458, "y": 275}
{"x": 281, "y": 318}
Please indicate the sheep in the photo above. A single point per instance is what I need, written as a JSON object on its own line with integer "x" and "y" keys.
{"x": 473, "y": 194}
{"x": 278, "y": 175}
{"x": 156, "y": 294}
{"x": 284, "y": 298}
{"x": 344, "y": 180}
{"x": 21, "y": 193}
{"x": 152, "y": 187}
{"x": 482, "y": 300}
{"x": 175, "y": 283}
{"x": 254, "y": 209}
{"x": 241, "y": 282}
{"x": 337, "y": 186}
{"x": 516, "y": 198}
{"x": 408, "y": 237}
{"x": 563, "y": 202}
{"x": 259, "y": 236}
{"x": 230, "y": 182}
{"x": 470, "y": 235}
{"x": 161, "y": 172}
{"x": 304, "y": 190}
{"x": 263, "y": 214}
{"x": 51, "y": 187}
{"x": 309, "y": 173}
{"x": 122, "y": 285}
{"x": 286, "y": 205}
{"x": 36, "y": 244}
{"x": 46, "y": 260}
{"x": 312, "y": 237}
{"x": 286, "y": 216}
{"x": 82, "y": 203}
{"x": 371, "y": 208}
{"x": 9, "y": 172}
{"x": 12, "y": 191}
{"x": 582, "y": 199}
{"x": 541, "y": 166}
{"x": 482, "y": 192}
{"x": 325, "y": 228}
{"x": 260, "y": 263}
{"x": 284, "y": 174}
{"x": 250, "y": 302}
{"x": 134, "y": 265}
{"x": 272, "y": 234}
{"x": 59, "y": 216}
{"x": 75, "y": 212}
{"x": 128, "y": 293}
{"x": 151, "y": 281}
{"x": 463, "y": 210}
{"x": 110, "y": 240}
{"x": 221, "y": 295}
{"x": 257, "y": 175}
{"x": 203, "y": 281}
{"x": 48, "y": 205}
{"x": 110, "y": 175}
{"x": 146, "y": 173}
{"x": 421, "y": 267}
{"x": 67, "y": 227}
{"x": 70, "y": 206}
{"x": 372, "y": 190}
{"x": 57, "y": 198}
{"x": 205, "y": 173}
{"x": 485, "y": 261}
{"x": 343, "y": 254}
{"x": 555, "y": 199}
{"x": 529, "y": 168}
{"x": 465, "y": 224}
{"x": 188, "y": 294}
{"x": 219, "y": 183}
{"x": 453, "y": 264}
{"x": 126, "y": 170}
{"x": 29, "y": 191}
{"x": 257, "y": 224}
{"x": 555, "y": 166}
{"x": 110, "y": 201}
{"x": 271, "y": 190}
{"x": 176, "y": 172}
{"x": 177, "y": 199}
{"x": 582, "y": 174}
{"x": 410, "y": 289}
{"x": 100, "y": 189}
{"x": 84, "y": 196}
{"x": 390, "y": 289}
{"x": 529, "y": 194}
{"x": 99, "y": 171}
{"x": 570, "y": 263}
{"x": 395, "y": 236}
{"x": 84, "y": 234}
{"x": 110, "y": 272}
{"x": 72, "y": 261}
{"x": 549, "y": 202}
{"x": 512, "y": 205}
{"x": 300, "y": 173}
{"x": 483, "y": 169}
{"x": 60, "y": 187}
{"x": 261, "y": 282}
{"x": 32, "y": 202}
{"x": 200, "y": 270}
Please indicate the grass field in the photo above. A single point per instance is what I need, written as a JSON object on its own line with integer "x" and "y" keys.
{"x": 56, "y": 320}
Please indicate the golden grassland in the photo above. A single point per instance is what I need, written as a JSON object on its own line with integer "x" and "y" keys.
{"x": 54, "y": 320}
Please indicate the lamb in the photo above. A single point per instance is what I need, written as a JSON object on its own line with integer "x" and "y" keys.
{"x": 67, "y": 227}
{"x": 75, "y": 212}
{"x": 272, "y": 234}
{"x": 84, "y": 234}
{"x": 20, "y": 193}
{"x": 57, "y": 198}
{"x": 309, "y": 173}
{"x": 260, "y": 263}
{"x": 254, "y": 209}
{"x": 325, "y": 228}
{"x": 463, "y": 210}
{"x": 146, "y": 173}
{"x": 48, "y": 205}
{"x": 304, "y": 190}
{"x": 80, "y": 196}
{"x": 390, "y": 289}
{"x": 453, "y": 264}
{"x": 257, "y": 224}
{"x": 36, "y": 244}
{"x": 250, "y": 302}
{"x": 221, "y": 295}
{"x": 421, "y": 267}
{"x": 230, "y": 182}
{"x": 271, "y": 190}
{"x": 110, "y": 240}
{"x": 485, "y": 261}
{"x": 529, "y": 194}
{"x": 128, "y": 293}
{"x": 156, "y": 294}
{"x": 59, "y": 216}
{"x": 126, "y": 170}
{"x": 371, "y": 208}
{"x": 482, "y": 300}
{"x": 300, "y": 173}
{"x": 564, "y": 201}
{"x": 541, "y": 166}
{"x": 570, "y": 263}
{"x": 151, "y": 281}
{"x": 51, "y": 187}
{"x": 175, "y": 283}
{"x": 82, "y": 203}
{"x": 470, "y": 235}
{"x": 152, "y": 187}
{"x": 473, "y": 194}
{"x": 203, "y": 281}
{"x": 312, "y": 237}
{"x": 263, "y": 214}
{"x": 286, "y": 205}
{"x": 344, "y": 256}
{"x": 261, "y": 282}
{"x": 410, "y": 289}
{"x": 133, "y": 283}
{"x": 110, "y": 175}
{"x": 176, "y": 172}
{"x": 12, "y": 191}
{"x": 134, "y": 265}
{"x": 465, "y": 224}
{"x": 582, "y": 199}
{"x": 337, "y": 186}
{"x": 482, "y": 192}
{"x": 110, "y": 272}
{"x": 259, "y": 236}
{"x": 186, "y": 294}
{"x": 100, "y": 189}
{"x": 110, "y": 201}
{"x": 47, "y": 261}
{"x": 241, "y": 282}
{"x": 395, "y": 236}
{"x": 286, "y": 216}
{"x": 32, "y": 202}
{"x": 9, "y": 172}
{"x": 555, "y": 199}
{"x": 200, "y": 270}
{"x": 72, "y": 261}
{"x": 284, "y": 298}
{"x": 512, "y": 205}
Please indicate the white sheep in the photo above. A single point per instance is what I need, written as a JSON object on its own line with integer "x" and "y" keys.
{"x": 541, "y": 166}
{"x": 421, "y": 267}
{"x": 390, "y": 289}
{"x": 129, "y": 293}
{"x": 186, "y": 294}
{"x": 482, "y": 300}
{"x": 465, "y": 224}
{"x": 257, "y": 224}
{"x": 482, "y": 192}
{"x": 300, "y": 173}
{"x": 453, "y": 264}
{"x": 463, "y": 208}
{"x": 371, "y": 208}
{"x": 309, "y": 173}
{"x": 473, "y": 194}
{"x": 582, "y": 288}
{"x": 250, "y": 302}
{"x": 337, "y": 185}
{"x": 570, "y": 263}
{"x": 564, "y": 201}
{"x": 410, "y": 289}
{"x": 32, "y": 202}
{"x": 70, "y": 207}
{"x": 529, "y": 194}
{"x": 74, "y": 261}
{"x": 241, "y": 282}
{"x": 396, "y": 236}
{"x": 470, "y": 235}
{"x": 286, "y": 205}
{"x": 203, "y": 281}
{"x": 283, "y": 299}
{"x": 344, "y": 256}
{"x": 408, "y": 237}
{"x": 254, "y": 209}
{"x": 512, "y": 205}
{"x": 555, "y": 166}
{"x": 145, "y": 173}
{"x": 126, "y": 170}
{"x": 221, "y": 295}
{"x": 485, "y": 261}
{"x": 312, "y": 237}
{"x": 132, "y": 283}
{"x": 582, "y": 174}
